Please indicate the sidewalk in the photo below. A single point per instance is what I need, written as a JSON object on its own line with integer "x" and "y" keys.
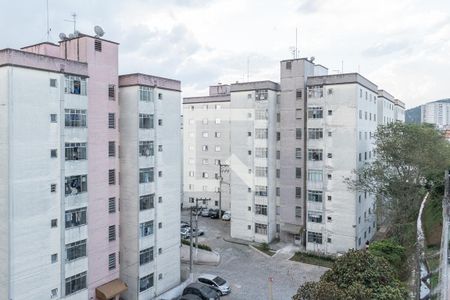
{"x": 203, "y": 257}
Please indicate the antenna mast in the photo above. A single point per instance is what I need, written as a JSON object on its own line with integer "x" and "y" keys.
{"x": 48, "y": 25}
{"x": 296, "y": 47}
{"x": 74, "y": 21}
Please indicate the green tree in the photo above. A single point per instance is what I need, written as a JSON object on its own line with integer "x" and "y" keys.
{"x": 394, "y": 253}
{"x": 356, "y": 275}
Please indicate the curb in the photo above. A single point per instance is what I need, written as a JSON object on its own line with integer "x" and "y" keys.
{"x": 257, "y": 250}
{"x": 235, "y": 242}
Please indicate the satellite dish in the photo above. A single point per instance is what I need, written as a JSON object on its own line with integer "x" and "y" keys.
{"x": 99, "y": 31}
{"x": 71, "y": 36}
{"x": 62, "y": 36}
{"x": 312, "y": 58}
{"x": 76, "y": 33}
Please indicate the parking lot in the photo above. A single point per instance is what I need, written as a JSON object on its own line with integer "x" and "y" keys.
{"x": 247, "y": 270}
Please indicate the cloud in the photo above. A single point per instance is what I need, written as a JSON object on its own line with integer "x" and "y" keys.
{"x": 309, "y": 6}
{"x": 386, "y": 48}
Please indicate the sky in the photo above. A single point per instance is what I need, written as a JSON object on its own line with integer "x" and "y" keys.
{"x": 403, "y": 46}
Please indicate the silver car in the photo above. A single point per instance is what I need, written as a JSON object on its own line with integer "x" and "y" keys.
{"x": 218, "y": 283}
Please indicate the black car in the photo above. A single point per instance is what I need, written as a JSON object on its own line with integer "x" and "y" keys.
{"x": 214, "y": 214}
{"x": 201, "y": 290}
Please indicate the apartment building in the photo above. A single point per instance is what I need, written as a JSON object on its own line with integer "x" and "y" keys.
{"x": 341, "y": 122}
{"x": 386, "y": 108}
{"x": 60, "y": 205}
{"x": 253, "y": 156}
{"x": 206, "y": 143}
{"x": 150, "y": 158}
{"x": 399, "y": 111}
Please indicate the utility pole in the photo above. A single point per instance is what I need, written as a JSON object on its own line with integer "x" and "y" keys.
{"x": 270, "y": 288}
{"x": 190, "y": 244}
{"x": 221, "y": 170}
{"x": 196, "y": 222}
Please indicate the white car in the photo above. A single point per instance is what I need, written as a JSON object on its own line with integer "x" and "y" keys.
{"x": 226, "y": 216}
{"x": 216, "y": 282}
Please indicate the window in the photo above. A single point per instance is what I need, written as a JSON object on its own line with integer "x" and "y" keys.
{"x": 54, "y": 293}
{"x": 217, "y": 121}
{"x": 298, "y": 113}
{"x": 288, "y": 65}
{"x": 75, "y": 217}
{"x": 329, "y": 176}
{"x": 298, "y": 133}
{"x": 315, "y": 175}
{"x": 260, "y": 228}
{"x": 261, "y": 133}
{"x": 146, "y": 228}
{"x": 112, "y": 205}
{"x": 205, "y": 161}
{"x": 315, "y": 217}
{"x": 160, "y": 225}
{"x": 146, "y": 148}
{"x": 277, "y": 191}
{"x": 315, "y": 154}
{"x": 298, "y": 172}
{"x": 261, "y": 171}
{"x": 112, "y": 233}
{"x": 75, "y": 184}
{"x": 261, "y": 209}
{"x": 145, "y": 256}
{"x": 205, "y": 175}
{"x": 111, "y": 120}
{"x": 145, "y": 282}
{"x": 75, "y": 85}
{"x": 315, "y": 133}
{"x": 146, "y": 175}
{"x": 54, "y": 258}
{"x": 75, "y": 118}
{"x": 159, "y": 250}
{"x": 75, "y": 151}
{"x": 298, "y": 153}
{"x": 261, "y": 152}
{"x": 53, "y": 188}
{"x": 112, "y": 92}
{"x": 261, "y": 114}
{"x": 315, "y": 91}
{"x": 145, "y": 93}
{"x": 75, "y": 250}
{"x": 298, "y": 212}
{"x": 278, "y": 117}
{"x": 217, "y": 134}
{"x": 278, "y": 136}
{"x": 298, "y": 192}
{"x": 160, "y": 96}
{"x": 53, "y": 153}
{"x": 261, "y": 95}
{"x": 315, "y": 112}
{"x": 205, "y": 148}
{"x": 160, "y": 276}
{"x": 54, "y": 223}
{"x": 314, "y": 237}
{"x": 217, "y": 148}
{"x": 146, "y": 121}
{"x": 112, "y": 177}
{"x": 260, "y": 190}
{"x": 75, "y": 283}
{"x": 315, "y": 196}
{"x": 330, "y": 155}
{"x": 53, "y": 118}
{"x": 330, "y": 112}
{"x": 249, "y": 133}
{"x": 52, "y": 82}
{"x": 98, "y": 45}
{"x": 160, "y": 199}
{"x": 160, "y": 122}
{"x": 160, "y": 173}
{"x": 111, "y": 261}
{"x": 298, "y": 94}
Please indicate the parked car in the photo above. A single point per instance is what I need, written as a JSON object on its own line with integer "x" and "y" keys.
{"x": 184, "y": 225}
{"x": 205, "y": 212}
{"x": 190, "y": 297}
{"x": 214, "y": 214}
{"x": 216, "y": 282}
{"x": 226, "y": 216}
{"x": 205, "y": 292}
{"x": 185, "y": 234}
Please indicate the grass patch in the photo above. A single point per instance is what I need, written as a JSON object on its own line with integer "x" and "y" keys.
{"x": 314, "y": 259}
{"x": 200, "y": 246}
{"x": 432, "y": 220}
{"x": 264, "y": 247}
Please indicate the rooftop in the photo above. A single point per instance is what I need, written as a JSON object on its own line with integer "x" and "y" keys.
{"x": 149, "y": 80}
{"x": 347, "y": 78}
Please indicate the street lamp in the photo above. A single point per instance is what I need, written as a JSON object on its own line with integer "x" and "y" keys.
{"x": 223, "y": 168}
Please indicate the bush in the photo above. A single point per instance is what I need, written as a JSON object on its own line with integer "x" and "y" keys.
{"x": 389, "y": 250}
{"x": 200, "y": 246}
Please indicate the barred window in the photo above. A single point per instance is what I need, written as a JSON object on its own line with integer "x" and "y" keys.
{"x": 75, "y": 118}
{"x": 261, "y": 133}
{"x": 261, "y": 190}
{"x": 315, "y": 196}
{"x": 315, "y": 175}
{"x": 146, "y": 228}
{"x": 75, "y": 250}
{"x": 146, "y": 175}
{"x": 112, "y": 92}
{"x": 315, "y": 217}
{"x": 146, "y": 256}
{"x": 76, "y": 217}
{"x": 146, "y": 202}
{"x": 111, "y": 120}
{"x": 298, "y": 172}
{"x": 315, "y": 112}
{"x": 75, "y": 151}
{"x": 315, "y": 154}
{"x": 298, "y": 192}
{"x": 75, "y": 85}
{"x": 75, "y": 283}
{"x": 261, "y": 171}
{"x": 112, "y": 233}
{"x": 261, "y": 114}
{"x": 111, "y": 261}
{"x": 146, "y": 282}
{"x": 298, "y": 133}
{"x": 298, "y": 153}
{"x": 298, "y": 94}
{"x": 315, "y": 91}
{"x": 298, "y": 212}
{"x": 145, "y": 93}
{"x": 111, "y": 148}
{"x": 314, "y": 237}
{"x": 146, "y": 148}
{"x": 261, "y": 209}
{"x": 112, "y": 205}
{"x": 146, "y": 121}
{"x": 261, "y": 95}
{"x": 112, "y": 176}
{"x": 75, "y": 184}
{"x": 315, "y": 133}
{"x": 260, "y": 228}
{"x": 98, "y": 45}
{"x": 261, "y": 152}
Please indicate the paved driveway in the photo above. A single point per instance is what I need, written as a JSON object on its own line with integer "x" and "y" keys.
{"x": 247, "y": 270}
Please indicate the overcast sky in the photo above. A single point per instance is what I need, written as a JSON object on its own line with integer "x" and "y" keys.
{"x": 401, "y": 45}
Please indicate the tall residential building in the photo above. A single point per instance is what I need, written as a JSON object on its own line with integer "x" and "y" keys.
{"x": 150, "y": 158}
{"x": 399, "y": 111}
{"x": 253, "y": 160}
{"x": 385, "y": 108}
{"x": 341, "y": 122}
{"x": 436, "y": 113}
{"x": 206, "y": 141}
{"x": 59, "y": 181}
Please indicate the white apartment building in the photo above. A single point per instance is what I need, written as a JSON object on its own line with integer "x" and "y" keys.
{"x": 253, "y": 160}
{"x": 386, "y": 108}
{"x": 206, "y": 142}
{"x": 150, "y": 184}
{"x": 399, "y": 111}
{"x": 341, "y": 122}
{"x": 437, "y": 113}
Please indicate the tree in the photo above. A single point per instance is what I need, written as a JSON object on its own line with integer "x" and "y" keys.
{"x": 356, "y": 275}
{"x": 409, "y": 159}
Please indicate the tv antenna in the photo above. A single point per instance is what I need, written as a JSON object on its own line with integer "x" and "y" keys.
{"x": 48, "y": 25}
{"x": 74, "y": 21}
{"x": 294, "y": 50}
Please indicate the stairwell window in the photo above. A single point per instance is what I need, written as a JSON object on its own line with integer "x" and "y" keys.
{"x": 315, "y": 154}
{"x": 75, "y": 184}
{"x": 146, "y": 121}
{"x": 146, "y": 175}
{"x": 315, "y": 133}
{"x": 75, "y": 151}
{"x": 146, "y": 202}
{"x": 315, "y": 112}
{"x": 75, "y": 217}
{"x": 76, "y": 283}
{"x": 146, "y": 228}
{"x": 145, "y": 93}
{"x": 315, "y": 196}
{"x": 314, "y": 237}
{"x": 146, "y": 148}
{"x": 146, "y": 256}
{"x": 75, "y": 118}
{"x": 260, "y": 228}
{"x": 75, "y": 85}
{"x": 146, "y": 282}
{"x": 314, "y": 217}
{"x": 261, "y": 209}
